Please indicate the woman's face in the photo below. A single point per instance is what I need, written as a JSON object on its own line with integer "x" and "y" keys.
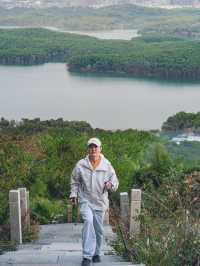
{"x": 94, "y": 150}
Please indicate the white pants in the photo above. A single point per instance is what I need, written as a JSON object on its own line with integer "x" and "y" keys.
{"x": 92, "y": 232}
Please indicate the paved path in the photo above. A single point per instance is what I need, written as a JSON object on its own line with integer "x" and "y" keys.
{"x": 59, "y": 245}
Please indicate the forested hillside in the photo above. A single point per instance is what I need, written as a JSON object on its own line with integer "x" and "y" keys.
{"x": 182, "y": 122}
{"x": 178, "y": 22}
{"x": 150, "y": 56}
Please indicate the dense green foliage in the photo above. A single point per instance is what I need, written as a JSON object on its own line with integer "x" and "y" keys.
{"x": 188, "y": 152}
{"x": 170, "y": 60}
{"x": 151, "y": 56}
{"x": 42, "y": 159}
{"x": 170, "y": 214}
{"x": 182, "y": 23}
{"x": 40, "y": 156}
{"x": 182, "y": 122}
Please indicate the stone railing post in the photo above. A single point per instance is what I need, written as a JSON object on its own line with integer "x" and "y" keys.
{"x": 78, "y": 219}
{"x": 69, "y": 212}
{"x": 15, "y": 216}
{"x": 135, "y": 211}
{"x": 106, "y": 217}
{"x": 124, "y": 207}
{"x": 28, "y": 219}
{"x": 25, "y": 218}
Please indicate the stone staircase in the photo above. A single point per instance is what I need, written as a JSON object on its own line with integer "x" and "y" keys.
{"x": 60, "y": 245}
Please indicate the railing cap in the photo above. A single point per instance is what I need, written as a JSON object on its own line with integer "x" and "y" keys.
{"x": 14, "y": 195}
{"x": 123, "y": 193}
{"x": 22, "y": 191}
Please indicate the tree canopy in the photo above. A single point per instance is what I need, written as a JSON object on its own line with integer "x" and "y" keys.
{"x": 150, "y": 56}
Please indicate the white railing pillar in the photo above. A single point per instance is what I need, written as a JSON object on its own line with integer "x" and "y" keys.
{"x": 25, "y": 217}
{"x": 135, "y": 211}
{"x": 28, "y": 219}
{"x": 15, "y": 216}
{"x": 124, "y": 207}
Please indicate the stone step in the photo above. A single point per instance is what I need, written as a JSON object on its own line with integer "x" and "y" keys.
{"x": 60, "y": 245}
{"x": 67, "y": 264}
{"x": 12, "y": 258}
{"x": 57, "y": 260}
{"x": 63, "y": 247}
{"x": 53, "y": 257}
{"x": 66, "y": 232}
{"x": 118, "y": 264}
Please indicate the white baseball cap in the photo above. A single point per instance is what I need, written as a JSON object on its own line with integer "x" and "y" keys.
{"x": 95, "y": 141}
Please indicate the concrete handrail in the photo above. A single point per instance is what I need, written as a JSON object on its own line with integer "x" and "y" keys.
{"x": 20, "y": 217}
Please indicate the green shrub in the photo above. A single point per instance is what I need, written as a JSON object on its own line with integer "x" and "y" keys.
{"x": 169, "y": 225}
{"x": 48, "y": 211}
{"x": 31, "y": 233}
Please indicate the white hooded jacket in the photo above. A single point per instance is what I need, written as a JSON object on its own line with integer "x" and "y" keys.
{"x": 88, "y": 184}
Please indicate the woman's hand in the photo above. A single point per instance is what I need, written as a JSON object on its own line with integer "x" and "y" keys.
{"x": 107, "y": 186}
{"x": 74, "y": 200}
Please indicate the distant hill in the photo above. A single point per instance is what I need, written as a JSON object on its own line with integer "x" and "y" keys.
{"x": 97, "y": 3}
{"x": 179, "y": 22}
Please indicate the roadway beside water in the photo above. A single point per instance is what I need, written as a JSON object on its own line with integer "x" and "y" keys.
{"x": 120, "y": 34}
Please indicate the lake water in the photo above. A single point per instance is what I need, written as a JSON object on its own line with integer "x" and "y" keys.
{"x": 50, "y": 91}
